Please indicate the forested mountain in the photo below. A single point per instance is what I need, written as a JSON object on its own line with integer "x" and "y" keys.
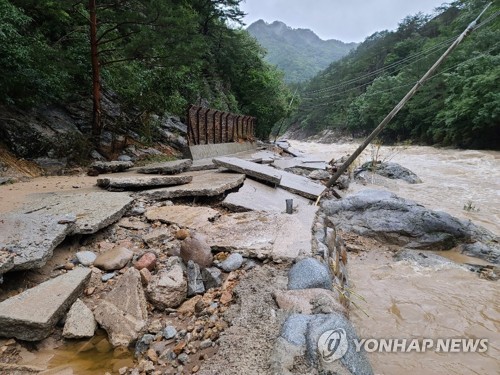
{"x": 156, "y": 56}
{"x": 300, "y": 53}
{"x": 459, "y": 106}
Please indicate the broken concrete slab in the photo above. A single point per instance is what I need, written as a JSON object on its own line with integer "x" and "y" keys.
{"x": 94, "y": 210}
{"x": 123, "y": 312}
{"x": 31, "y": 237}
{"x": 300, "y": 185}
{"x": 32, "y": 315}
{"x": 141, "y": 183}
{"x": 254, "y": 196}
{"x": 184, "y": 216}
{"x": 261, "y": 234}
{"x": 204, "y": 184}
{"x": 257, "y": 171}
{"x": 131, "y": 223}
{"x": 111, "y": 166}
{"x": 169, "y": 167}
{"x": 313, "y": 166}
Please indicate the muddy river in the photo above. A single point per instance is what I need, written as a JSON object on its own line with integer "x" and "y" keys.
{"x": 404, "y": 300}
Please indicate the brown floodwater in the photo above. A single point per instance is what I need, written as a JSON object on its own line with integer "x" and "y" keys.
{"x": 404, "y": 300}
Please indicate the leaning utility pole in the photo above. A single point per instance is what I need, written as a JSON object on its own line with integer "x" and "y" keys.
{"x": 403, "y": 101}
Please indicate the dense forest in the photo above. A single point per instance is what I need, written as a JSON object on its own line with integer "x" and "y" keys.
{"x": 458, "y": 106}
{"x": 299, "y": 53}
{"x": 156, "y": 56}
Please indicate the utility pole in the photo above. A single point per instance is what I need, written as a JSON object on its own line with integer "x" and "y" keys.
{"x": 403, "y": 101}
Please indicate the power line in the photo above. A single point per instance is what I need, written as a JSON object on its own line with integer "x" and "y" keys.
{"x": 407, "y": 60}
{"x": 410, "y": 83}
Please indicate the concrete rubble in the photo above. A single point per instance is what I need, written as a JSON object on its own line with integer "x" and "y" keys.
{"x": 141, "y": 183}
{"x": 32, "y": 314}
{"x": 138, "y": 296}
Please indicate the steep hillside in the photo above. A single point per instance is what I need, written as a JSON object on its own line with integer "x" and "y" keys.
{"x": 300, "y": 53}
{"x": 458, "y": 106}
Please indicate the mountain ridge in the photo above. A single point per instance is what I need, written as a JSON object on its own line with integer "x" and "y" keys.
{"x": 300, "y": 53}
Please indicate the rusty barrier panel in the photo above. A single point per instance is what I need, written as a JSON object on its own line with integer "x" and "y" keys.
{"x": 211, "y": 126}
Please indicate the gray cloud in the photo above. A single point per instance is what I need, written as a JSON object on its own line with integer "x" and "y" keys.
{"x": 346, "y": 20}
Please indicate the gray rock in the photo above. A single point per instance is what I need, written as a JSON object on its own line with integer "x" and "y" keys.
{"x": 206, "y": 344}
{"x": 196, "y": 248}
{"x": 170, "y": 167}
{"x": 212, "y": 277}
{"x": 86, "y": 258}
{"x": 80, "y": 322}
{"x": 232, "y": 263}
{"x": 194, "y": 279}
{"x": 169, "y": 332}
{"x": 96, "y": 155}
{"x": 294, "y": 329}
{"x": 114, "y": 259}
{"x": 319, "y": 175}
{"x": 107, "y": 276}
{"x": 124, "y": 158}
{"x": 203, "y": 185}
{"x": 390, "y": 170}
{"x": 183, "y": 358}
{"x": 388, "y": 218}
{"x": 31, "y": 237}
{"x": 489, "y": 251}
{"x": 143, "y": 344}
{"x": 355, "y": 362}
{"x": 123, "y": 311}
{"x": 137, "y": 210}
{"x": 111, "y": 166}
{"x": 94, "y": 210}
{"x": 309, "y": 273}
{"x": 168, "y": 288}
{"x": 156, "y": 237}
{"x": 32, "y": 314}
{"x": 141, "y": 183}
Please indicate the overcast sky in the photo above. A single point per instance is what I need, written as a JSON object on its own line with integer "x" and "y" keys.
{"x": 345, "y": 20}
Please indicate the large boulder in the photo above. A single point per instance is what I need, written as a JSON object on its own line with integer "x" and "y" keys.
{"x": 309, "y": 273}
{"x": 308, "y": 338}
{"x": 394, "y": 220}
{"x": 390, "y": 170}
{"x": 123, "y": 311}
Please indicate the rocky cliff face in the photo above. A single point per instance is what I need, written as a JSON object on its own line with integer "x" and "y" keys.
{"x": 56, "y": 137}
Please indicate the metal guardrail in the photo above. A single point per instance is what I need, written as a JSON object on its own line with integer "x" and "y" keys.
{"x": 210, "y": 126}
